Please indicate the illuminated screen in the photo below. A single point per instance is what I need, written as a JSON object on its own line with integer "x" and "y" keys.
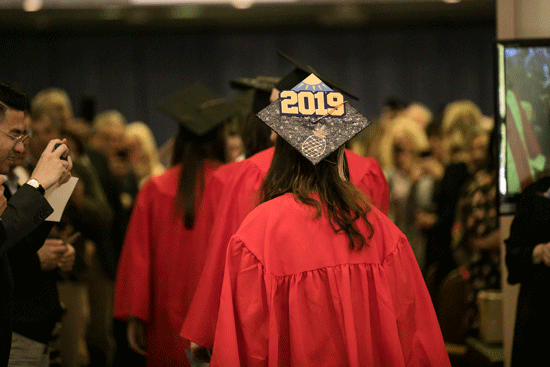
{"x": 523, "y": 101}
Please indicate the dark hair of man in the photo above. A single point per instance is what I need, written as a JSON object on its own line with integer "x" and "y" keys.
{"x": 255, "y": 135}
{"x": 11, "y": 97}
{"x": 344, "y": 204}
{"x": 191, "y": 151}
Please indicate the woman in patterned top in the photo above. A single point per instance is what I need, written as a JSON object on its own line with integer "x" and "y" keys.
{"x": 475, "y": 236}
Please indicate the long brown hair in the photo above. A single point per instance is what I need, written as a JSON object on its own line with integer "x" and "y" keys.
{"x": 255, "y": 135}
{"x": 191, "y": 151}
{"x": 344, "y": 204}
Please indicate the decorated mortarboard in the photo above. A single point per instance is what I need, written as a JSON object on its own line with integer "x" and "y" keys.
{"x": 313, "y": 118}
{"x": 302, "y": 71}
{"x": 255, "y": 92}
{"x": 197, "y": 108}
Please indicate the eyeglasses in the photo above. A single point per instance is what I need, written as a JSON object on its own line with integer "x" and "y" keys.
{"x": 21, "y": 138}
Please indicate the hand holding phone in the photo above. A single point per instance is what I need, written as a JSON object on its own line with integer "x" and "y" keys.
{"x": 50, "y": 169}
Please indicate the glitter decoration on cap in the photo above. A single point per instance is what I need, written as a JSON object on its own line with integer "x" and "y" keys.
{"x": 313, "y": 118}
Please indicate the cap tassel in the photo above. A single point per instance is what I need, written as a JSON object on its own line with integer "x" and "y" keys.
{"x": 329, "y": 112}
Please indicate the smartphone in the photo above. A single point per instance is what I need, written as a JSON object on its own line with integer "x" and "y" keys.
{"x": 55, "y": 147}
{"x": 72, "y": 239}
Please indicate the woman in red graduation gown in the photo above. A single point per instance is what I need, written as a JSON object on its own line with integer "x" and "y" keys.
{"x": 238, "y": 186}
{"x": 315, "y": 276}
{"x": 159, "y": 265}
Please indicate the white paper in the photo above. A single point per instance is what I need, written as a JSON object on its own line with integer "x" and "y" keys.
{"x": 58, "y": 197}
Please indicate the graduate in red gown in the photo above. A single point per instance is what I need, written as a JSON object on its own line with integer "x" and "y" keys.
{"x": 160, "y": 263}
{"x": 239, "y": 184}
{"x": 315, "y": 275}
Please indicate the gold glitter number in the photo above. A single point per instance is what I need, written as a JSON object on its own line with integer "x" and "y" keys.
{"x": 288, "y": 102}
{"x": 336, "y": 101}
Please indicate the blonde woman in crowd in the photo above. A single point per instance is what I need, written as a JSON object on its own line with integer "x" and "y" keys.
{"x": 419, "y": 113}
{"x": 475, "y": 235}
{"x": 367, "y": 142}
{"x": 399, "y": 158}
{"x": 458, "y": 119}
{"x": 142, "y": 151}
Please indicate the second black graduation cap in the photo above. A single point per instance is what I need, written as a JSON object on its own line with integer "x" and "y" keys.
{"x": 255, "y": 91}
{"x": 197, "y": 108}
{"x": 302, "y": 71}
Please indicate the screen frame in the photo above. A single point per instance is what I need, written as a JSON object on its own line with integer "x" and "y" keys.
{"x": 507, "y": 201}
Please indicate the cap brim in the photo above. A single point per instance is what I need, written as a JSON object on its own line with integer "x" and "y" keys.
{"x": 255, "y": 92}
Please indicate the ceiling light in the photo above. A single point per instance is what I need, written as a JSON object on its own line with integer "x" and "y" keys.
{"x": 242, "y": 4}
{"x": 32, "y": 5}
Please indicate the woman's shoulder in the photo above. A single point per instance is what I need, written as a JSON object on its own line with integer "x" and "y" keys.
{"x": 167, "y": 176}
{"x": 386, "y": 234}
{"x": 278, "y": 209}
{"x": 164, "y": 184}
{"x": 250, "y": 168}
{"x": 282, "y": 222}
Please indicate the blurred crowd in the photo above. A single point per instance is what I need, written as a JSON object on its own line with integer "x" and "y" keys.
{"x": 439, "y": 167}
{"x": 112, "y": 159}
{"x": 441, "y": 170}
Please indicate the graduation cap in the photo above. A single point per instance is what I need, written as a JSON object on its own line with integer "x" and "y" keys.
{"x": 302, "y": 71}
{"x": 313, "y": 118}
{"x": 197, "y": 108}
{"x": 255, "y": 92}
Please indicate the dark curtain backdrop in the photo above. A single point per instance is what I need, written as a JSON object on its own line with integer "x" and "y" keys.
{"x": 133, "y": 71}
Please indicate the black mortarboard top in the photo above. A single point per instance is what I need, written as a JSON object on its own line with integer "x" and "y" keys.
{"x": 313, "y": 118}
{"x": 302, "y": 71}
{"x": 255, "y": 92}
{"x": 197, "y": 108}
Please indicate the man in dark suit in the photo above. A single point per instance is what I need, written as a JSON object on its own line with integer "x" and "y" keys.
{"x": 27, "y": 208}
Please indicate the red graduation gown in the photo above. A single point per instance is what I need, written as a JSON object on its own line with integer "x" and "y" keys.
{"x": 367, "y": 176}
{"x": 159, "y": 267}
{"x": 294, "y": 294}
{"x": 239, "y": 183}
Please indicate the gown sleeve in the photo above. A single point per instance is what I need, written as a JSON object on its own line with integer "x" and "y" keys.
{"x": 243, "y": 322}
{"x": 133, "y": 281}
{"x": 419, "y": 331}
{"x": 367, "y": 175}
{"x": 200, "y": 322}
{"x": 380, "y": 192}
{"x": 524, "y": 236}
{"x": 519, "y": 252}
